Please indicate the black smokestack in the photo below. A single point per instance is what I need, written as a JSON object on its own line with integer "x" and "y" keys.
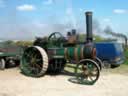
{"x": 73, "y": 31}
{"x": 89, "y": 35}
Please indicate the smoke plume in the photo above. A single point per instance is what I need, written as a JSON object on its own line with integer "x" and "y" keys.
{"x": 108, "y": 30}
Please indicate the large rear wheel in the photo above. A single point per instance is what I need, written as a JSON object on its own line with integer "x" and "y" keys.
{"x": 34, "y": 61}
{"x": 2, "y": 64}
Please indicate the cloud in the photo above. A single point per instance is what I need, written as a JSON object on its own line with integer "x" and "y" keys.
{"x": 69, "y": 11}
{"x": 48, "y": 2}
{"x": 70, "y": 17}
{"x": 81, "y": 10}
{"x": 31, "y": 30}
{"x": 49, "y": 28}
{"x": 17, "y": 31}
{"x": 120, "y": 11}
{"x": 107, "y": 20}
{"x": 26, "y": 7}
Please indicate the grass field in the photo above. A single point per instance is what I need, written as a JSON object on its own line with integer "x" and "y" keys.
{"x": 126, "y": 55}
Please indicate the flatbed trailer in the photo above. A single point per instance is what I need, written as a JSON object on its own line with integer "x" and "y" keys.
{"x": 10, "y": 55}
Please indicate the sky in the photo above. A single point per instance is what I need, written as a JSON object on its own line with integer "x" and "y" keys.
{"x": 27, "y": 19}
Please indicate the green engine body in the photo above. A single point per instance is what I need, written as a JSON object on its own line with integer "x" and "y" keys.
{"x": 71, "y": 53}
{"x": 52, "y": 53}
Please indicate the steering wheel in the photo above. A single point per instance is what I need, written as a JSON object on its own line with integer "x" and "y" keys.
{"x": 55, "y": 38}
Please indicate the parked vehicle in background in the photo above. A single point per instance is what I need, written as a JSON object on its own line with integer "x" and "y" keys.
{"x": 9, "y": 54}
{"x": 111, "y": 53}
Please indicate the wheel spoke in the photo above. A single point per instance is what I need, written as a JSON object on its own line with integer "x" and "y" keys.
{"x": 38, "y": 66}
{"x": 54, "y": 36}
{"x": 38, "y": 60}
{"x": 89, "y": 72}
{"x": 90, "y": 78}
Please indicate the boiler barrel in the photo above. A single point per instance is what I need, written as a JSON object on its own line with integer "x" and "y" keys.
{"x": 72, "y": 53}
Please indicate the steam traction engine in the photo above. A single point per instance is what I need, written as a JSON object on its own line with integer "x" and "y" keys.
{"x": 52, "y": 53}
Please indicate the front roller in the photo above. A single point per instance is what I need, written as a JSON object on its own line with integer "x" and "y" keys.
{"x": 87, "y": 71}
{"x": 34, "y": 61}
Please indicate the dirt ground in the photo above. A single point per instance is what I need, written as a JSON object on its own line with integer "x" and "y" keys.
{"x": 13, "y": 83}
